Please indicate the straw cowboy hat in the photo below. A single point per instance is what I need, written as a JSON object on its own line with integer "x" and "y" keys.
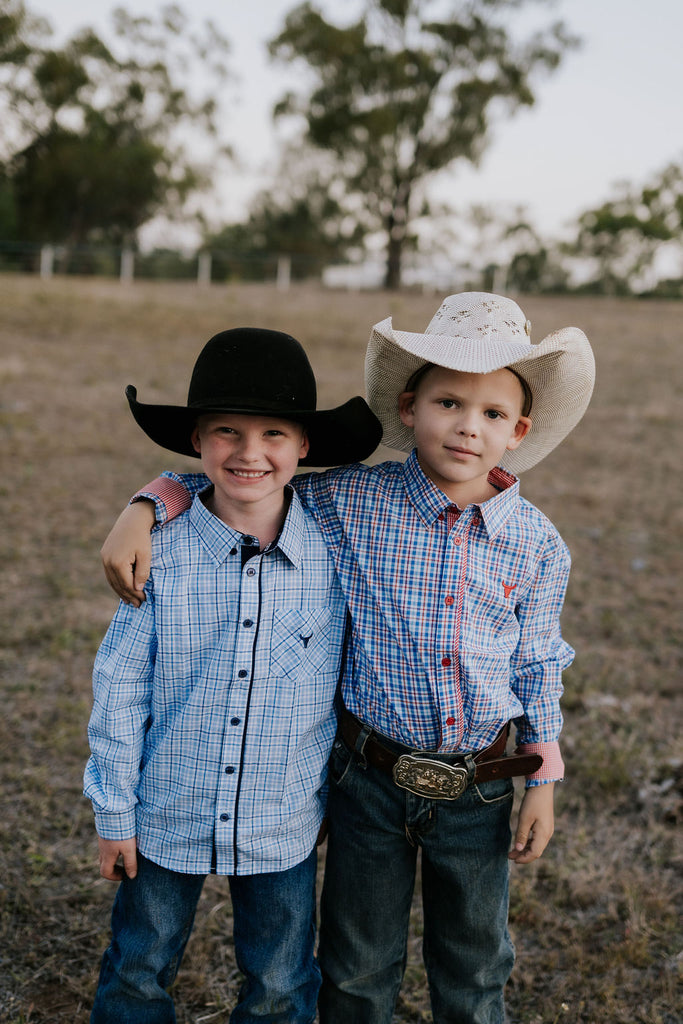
{"x": 476, "y": 332}
{"x": 263, "y": 373}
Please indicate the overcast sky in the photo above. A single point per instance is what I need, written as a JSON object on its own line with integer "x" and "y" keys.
{"x": 612, "y": 112}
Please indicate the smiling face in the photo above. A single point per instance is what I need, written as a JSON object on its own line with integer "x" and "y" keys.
{"x": 463, "y": 425}
{"x": 248, "y": 459}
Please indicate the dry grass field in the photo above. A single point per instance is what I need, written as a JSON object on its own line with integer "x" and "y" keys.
{"x": 597, "y": 920}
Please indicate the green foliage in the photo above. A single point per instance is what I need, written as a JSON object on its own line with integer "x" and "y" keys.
{"x": 303, "y": 217}
{"x": 623, "y": 235}
{"x": 94, "y": 146}
{"x": 397, "y": 97}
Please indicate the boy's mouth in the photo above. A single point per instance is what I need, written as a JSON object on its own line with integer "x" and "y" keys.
{"x": 249, "y": 474}
{"x": 463, "y": 451}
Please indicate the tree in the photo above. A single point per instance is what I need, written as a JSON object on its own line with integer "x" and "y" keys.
{"x": 623, "y": 236}
{"x": 303, "y": 219}
{"x": 398, "y": 96}
{"x": 96, "y": 129}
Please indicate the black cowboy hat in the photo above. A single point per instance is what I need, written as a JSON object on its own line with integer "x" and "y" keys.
{"x": 264, "y": 373}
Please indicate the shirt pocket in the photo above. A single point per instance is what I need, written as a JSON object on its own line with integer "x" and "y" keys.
{"x": 301, "y": 641}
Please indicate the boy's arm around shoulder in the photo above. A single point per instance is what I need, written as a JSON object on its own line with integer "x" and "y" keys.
{"x": 122, "y": 696}
{"x": 126, "y": 551}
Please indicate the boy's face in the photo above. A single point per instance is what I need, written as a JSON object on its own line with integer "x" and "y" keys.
{"x": 248, "y": 459}
{"x": 463, "y": 425}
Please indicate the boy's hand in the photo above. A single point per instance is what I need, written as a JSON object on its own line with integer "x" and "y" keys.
{"x": 110, "y": 851}
{"x": 127, "y": 552}
{"x": 535, "y": 825}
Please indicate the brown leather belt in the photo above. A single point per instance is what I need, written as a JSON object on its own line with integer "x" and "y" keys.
{"x": 437, "y": 776}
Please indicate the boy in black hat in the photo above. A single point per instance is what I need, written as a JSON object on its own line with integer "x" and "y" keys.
{"x": 213, "y": 713}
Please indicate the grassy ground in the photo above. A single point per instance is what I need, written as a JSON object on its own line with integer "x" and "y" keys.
{"x": 597, "y": 920}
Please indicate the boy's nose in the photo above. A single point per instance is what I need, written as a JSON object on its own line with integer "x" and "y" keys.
{"x": 248, "y": 449}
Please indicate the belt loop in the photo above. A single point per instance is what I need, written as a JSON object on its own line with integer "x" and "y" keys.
{"x": 359, "y": 746}
{"x": 471, "y": 767}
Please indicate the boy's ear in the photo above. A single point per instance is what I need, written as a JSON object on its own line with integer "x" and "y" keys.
{"x": 522, "y": 428}
{"x": 305, "y": 446}
{"x": 196, "y": 443}
{"x": 406, "y": 402}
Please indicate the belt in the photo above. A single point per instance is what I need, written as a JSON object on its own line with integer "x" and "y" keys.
{"x": 437, "y": 776}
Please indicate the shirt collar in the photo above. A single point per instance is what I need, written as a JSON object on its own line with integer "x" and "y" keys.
{"x": 220, "y": 539}
{"x": 430, "y": 502}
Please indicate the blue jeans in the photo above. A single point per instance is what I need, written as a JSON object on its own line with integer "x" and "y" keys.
{"x": 375, "y": 830}
{"x": 274, "y": 936}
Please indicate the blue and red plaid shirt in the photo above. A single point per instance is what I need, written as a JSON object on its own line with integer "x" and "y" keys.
{"x": 456, "y": 613}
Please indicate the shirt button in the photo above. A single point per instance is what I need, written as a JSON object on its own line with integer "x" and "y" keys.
{"x": 450, "y": 721}
{"x": 458, "y": 541}
{"x": 247, "y": 623}
{"x": 234, "y": 551}
{"x": 225, "y": 817}
{"x": 229, "y": 770}
{"x": 440, "y": 517}
{"x": 243, "y": 673}
{"x": 251, "y": 572}
{"x": 445, "y": 662}
{"x": 450, "y": 599}
{"x": 476, "y": 520}
{"x": 234, "y": 721}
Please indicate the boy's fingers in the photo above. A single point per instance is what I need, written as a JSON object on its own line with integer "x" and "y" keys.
{"x": 130, "y": 864}
{"x": 141, "y": 572}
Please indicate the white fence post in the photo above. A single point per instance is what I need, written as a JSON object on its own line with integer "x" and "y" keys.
{"x": 284, "y": 273}
{"x": 47, "y": 259}
{"x": 204, "y": 268}
{"x": 127, "y": 265}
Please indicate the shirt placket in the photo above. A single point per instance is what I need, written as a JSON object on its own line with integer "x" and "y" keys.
{"x": 237, "y": 713}
{"x": 451, "y": 716}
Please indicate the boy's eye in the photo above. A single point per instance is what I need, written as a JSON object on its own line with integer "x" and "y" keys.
{"x": 448, "y": 403}
{"x": 493, "y": 414}
{"x": 274, "y": 433}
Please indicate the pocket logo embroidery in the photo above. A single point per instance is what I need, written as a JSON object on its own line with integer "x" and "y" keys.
{"x": 508, "y": 588}
{"x": 305, "y": 639}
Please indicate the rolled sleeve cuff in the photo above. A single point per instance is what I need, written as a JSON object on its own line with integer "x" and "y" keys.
{"x": 115, "y": 826}
{"x": 169, "y": 496}
{"x": 552, "y": 769}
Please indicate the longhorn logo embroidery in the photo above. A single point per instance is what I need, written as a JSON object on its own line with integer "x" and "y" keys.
{"x": 508, "y": 588}
{"x": 305, "y": 639}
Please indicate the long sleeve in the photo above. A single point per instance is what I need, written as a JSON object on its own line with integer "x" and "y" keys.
{"x": 539, "y": 660}
{"x": 122, "y": 691}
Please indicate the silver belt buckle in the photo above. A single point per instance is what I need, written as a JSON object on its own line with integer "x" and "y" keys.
{"x": 432, "y": 779}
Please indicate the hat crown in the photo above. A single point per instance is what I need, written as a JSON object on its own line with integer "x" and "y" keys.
{"x": 481, "y": 316}
{"x": 249, "y": 367}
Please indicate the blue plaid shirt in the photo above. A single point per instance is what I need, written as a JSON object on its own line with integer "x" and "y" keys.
{"x": 456, "y": 613}
{"x": 213, "y": 712}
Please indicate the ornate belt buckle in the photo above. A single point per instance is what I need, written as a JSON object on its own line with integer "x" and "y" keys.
{"x": 433, "y": 779}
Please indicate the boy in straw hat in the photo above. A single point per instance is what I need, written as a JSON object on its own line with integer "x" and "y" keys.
{"x": 213, "y": 713}
{"x": 455, "y": 586}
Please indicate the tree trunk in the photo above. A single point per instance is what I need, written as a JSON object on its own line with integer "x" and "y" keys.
{"x": 392, "y": 277}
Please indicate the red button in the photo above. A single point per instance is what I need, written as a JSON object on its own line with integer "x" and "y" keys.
{"x": 445, "y": 662}
{"x": 440, "y": 517}
{"x": 450, "y": 599}
{"x": 450, "y": 721}
{"x": 458, "y": 541}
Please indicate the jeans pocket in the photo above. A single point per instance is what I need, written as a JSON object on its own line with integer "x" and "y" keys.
{"x": 340, "y": 762}
{"x": 495, "y": 792}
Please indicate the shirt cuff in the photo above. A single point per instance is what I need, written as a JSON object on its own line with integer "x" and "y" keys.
{"x": 169, "y": 496}
{"x": 552, "y": 769}
{"x": 115, "y": 826}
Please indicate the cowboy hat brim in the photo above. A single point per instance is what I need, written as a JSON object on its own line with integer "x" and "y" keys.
{"x": 560, "y": 372}
{"x": 348, "y": 433}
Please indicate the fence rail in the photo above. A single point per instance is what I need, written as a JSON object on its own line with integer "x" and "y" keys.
{"x": 126, "y": 264}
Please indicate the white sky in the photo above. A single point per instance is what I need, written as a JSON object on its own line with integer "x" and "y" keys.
{"x": 612, "y": 112}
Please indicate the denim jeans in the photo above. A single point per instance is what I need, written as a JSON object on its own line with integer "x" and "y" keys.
{"x": 274, "y": 936}
{"x": 375, "y": 830}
